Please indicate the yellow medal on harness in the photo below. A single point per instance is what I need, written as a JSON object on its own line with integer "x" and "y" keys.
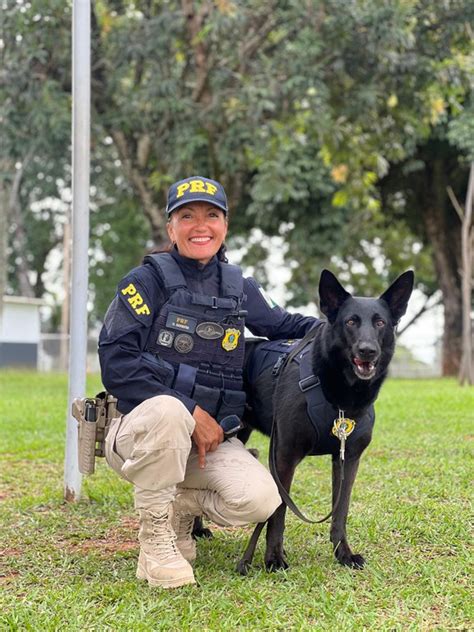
{"x": 231, "y": 339}
{"x": 343, "y": 427}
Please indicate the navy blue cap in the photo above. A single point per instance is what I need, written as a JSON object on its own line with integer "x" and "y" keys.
{"x": 196, "y": 189}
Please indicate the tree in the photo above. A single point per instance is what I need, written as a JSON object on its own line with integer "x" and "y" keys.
{"x": 320, "y": 118}
{"x": 34, "y": 87}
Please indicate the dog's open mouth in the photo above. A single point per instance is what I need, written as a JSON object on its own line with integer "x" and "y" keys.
{"x": 363, "y": 369}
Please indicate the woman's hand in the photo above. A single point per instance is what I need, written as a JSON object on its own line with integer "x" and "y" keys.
{"x": 207, "y": 434}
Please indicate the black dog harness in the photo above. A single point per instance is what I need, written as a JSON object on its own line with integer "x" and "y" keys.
{"x": 321, "y": 413}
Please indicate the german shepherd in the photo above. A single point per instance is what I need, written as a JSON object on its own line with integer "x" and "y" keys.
{"x": 351, "y": 353}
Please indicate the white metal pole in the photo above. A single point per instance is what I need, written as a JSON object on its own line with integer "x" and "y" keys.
{"x": 81, "y": 92}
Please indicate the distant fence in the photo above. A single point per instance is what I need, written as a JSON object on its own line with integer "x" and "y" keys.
{"x": 53, "y": 353}
{"x": 400, "y": 368}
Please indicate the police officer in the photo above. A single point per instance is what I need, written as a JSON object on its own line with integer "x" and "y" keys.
{"x": 172, "y": 351}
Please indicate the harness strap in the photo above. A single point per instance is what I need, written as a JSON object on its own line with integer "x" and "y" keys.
{"x": 169, "y": 270}
{"x": 215, "y": 302}
{"x": 185, "y": 378}
{"x": 310, "y": 385}
{"x": 232, "y": 281}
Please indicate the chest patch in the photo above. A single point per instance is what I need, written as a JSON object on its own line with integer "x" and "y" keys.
{"x": 165, "y": 338}
{"x": 183, "y": 343}
{"x": 181, "y": 322}
{"x": 210, "y": 331}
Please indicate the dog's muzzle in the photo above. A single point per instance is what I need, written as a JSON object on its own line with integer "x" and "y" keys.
{"x": 364, "y": 369}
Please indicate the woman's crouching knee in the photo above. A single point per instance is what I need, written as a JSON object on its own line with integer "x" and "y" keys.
{"x": 161, "y": 422}
{"x": 263, "y": 501}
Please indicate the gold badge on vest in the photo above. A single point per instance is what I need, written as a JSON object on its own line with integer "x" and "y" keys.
{"x": 231, "y": 339}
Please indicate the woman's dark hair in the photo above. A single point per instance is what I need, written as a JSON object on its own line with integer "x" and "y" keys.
{"x": 221, "y": 253}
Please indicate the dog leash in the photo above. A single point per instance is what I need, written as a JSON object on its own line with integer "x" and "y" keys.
{"x": 341, "y": 430}
{"x": 285, "y": 496}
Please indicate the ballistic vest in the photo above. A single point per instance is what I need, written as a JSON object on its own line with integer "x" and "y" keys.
{"x": 198, "y": 340}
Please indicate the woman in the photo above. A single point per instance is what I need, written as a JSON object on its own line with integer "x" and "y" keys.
{"x": 172, "y": 352}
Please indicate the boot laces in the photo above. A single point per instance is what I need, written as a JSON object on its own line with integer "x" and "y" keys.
{"x": 162, "y": 537}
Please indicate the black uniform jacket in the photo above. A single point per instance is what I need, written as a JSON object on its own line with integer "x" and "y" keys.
{"x": 128, "y": 371}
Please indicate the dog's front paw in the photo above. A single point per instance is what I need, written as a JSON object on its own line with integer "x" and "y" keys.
{"x": 353, "y": 560}
{"x": 276, "y": 562}
{"x": 243, "y": 567}
{"x": 346, "y": 557}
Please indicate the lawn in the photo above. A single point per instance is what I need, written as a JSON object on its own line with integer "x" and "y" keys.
{"x": 72, "y": 566}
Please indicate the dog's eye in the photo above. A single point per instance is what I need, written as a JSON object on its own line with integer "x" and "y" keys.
{"x": 351, "y": 322}
{"x": 379, "y": 323}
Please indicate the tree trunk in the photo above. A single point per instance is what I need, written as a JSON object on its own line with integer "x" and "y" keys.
{"x": 3, "y": 237}
{"x": 443, "y": 231}
{"x": 19, "y": 233}
{"x": 466, "y": 371}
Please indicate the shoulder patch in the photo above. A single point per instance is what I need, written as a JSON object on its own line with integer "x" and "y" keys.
{"x": 135, "y": 299}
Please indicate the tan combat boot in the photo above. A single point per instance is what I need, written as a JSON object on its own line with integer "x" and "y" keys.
{"x": 186, "y": 507}
{"x": 160, "y": 561}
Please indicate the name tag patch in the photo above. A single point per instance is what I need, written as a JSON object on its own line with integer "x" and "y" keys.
{"x": 183, "y": 343}
{"x": 165, "y": 338}
{"x": 183, "y": 323}
{"x": 210, "y": 331}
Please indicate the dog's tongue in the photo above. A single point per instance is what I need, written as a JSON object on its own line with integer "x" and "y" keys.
{"x": 364, "y": 366}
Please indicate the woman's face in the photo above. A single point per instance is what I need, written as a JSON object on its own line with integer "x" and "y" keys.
{"x": 198, "y": 229}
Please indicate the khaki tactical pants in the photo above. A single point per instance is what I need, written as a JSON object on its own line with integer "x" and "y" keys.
{"x": 151, "y": 447}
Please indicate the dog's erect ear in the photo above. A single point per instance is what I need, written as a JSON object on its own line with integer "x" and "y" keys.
{"x": 331, "y": 294}
{"x": 398, "y": 294}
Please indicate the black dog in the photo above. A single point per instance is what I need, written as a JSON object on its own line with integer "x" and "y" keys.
{"x": 350, "y": 356}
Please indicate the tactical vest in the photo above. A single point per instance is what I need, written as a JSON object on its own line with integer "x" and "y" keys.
{"x": 198, "y": 340}
{"x": 269, "y": 356}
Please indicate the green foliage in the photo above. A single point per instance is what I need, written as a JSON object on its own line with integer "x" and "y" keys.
{"x": 72, "y": 566}
{"x": 461, "y": 132}
{"x": 302, "y": 110}
{"x": 35, "y": 115}
{"x": 118, "y": 243}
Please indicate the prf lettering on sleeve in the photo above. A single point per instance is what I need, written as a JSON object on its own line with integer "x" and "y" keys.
{"x": 135, "y": 300}
{"x": 196, "y": 186}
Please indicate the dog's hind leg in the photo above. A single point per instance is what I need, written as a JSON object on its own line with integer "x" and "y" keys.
{"x": 342, "y": 550}
{"x": 199, "y": 530}
{"x": 246, "y": 560}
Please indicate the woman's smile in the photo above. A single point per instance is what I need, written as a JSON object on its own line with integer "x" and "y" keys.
{"x": 198, "y": 229}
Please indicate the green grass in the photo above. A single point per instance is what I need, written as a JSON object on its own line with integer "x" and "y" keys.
{"x": 72, "y": 566}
